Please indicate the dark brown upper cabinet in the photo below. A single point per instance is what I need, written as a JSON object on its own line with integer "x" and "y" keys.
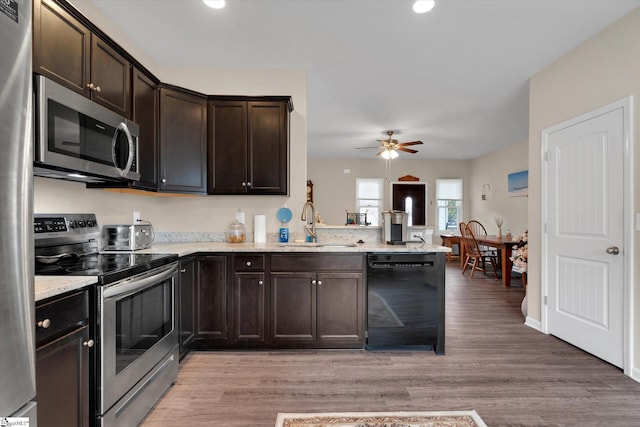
{"x": 248, "y": 145}
{"x": 183, "y": 141}
{"x": 68, "y": 52}
{"x": 145, "y": 114}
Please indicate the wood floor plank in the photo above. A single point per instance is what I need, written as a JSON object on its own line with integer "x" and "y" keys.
{"x": 509, "y": 373}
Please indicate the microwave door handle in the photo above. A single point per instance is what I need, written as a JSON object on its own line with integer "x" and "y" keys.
{"x": 122, "y": 127}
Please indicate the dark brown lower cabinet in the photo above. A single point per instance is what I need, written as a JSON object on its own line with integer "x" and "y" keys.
{"x": 212, "y": 322}
{"x": 249, "y": 303}
{"x": 63, "y": 347}
{"x": 280, "y": 300}
{"x": 322, "y": 307}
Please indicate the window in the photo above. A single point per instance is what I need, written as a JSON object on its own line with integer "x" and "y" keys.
{"x": 449, "y": 196}
{"x": 369, "y": 195}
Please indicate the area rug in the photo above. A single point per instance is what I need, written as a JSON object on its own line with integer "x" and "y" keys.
{"x": 382, "y": 419}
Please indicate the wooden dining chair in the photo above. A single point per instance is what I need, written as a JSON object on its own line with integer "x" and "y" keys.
{"x": 474, "y": 256}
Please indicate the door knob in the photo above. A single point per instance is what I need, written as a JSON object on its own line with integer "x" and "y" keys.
{"x": 613, "y": 250}
{"x": 88, "y": 343}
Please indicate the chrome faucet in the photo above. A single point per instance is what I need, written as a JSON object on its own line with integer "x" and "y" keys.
{"x": 309, "y": 230}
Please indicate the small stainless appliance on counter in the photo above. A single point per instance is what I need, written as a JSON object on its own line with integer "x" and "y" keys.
{"x": 136, "y": 355}
{"x": 394, "y": 227}
{"x": 127, "y": 237}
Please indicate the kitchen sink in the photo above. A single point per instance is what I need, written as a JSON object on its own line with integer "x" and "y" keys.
{"x": 318, "y": 245}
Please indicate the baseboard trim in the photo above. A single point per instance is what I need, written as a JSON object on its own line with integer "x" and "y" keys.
{"x": 533, "y": 323}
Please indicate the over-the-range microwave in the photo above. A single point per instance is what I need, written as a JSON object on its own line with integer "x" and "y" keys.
{"x": 80, "y": 140}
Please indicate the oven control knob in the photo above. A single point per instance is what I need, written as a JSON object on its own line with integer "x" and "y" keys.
{"x": 89, "y": 223}
{"x": 88, "y": 343}
{"x": 72, "y": 224}
{"x": 80, "y": 223}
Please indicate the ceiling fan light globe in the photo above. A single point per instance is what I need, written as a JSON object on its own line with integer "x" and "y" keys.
{"x": 423, "y": 6}
{"x": 393, "y": 154}
{"x": 385, "y": 155}
{"x": 215, "y": 4}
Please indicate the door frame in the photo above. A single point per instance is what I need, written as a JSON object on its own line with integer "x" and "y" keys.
{"x": 628, "y": 230}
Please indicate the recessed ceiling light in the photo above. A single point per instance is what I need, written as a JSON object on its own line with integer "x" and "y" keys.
{"x": 423, "y": 6}
{"x": 215, "y": 4}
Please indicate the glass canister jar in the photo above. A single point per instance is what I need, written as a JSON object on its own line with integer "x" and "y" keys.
{"x": 237, "y": 232}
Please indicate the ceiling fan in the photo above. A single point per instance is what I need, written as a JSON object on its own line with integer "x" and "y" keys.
{"x": 390, "y": 147}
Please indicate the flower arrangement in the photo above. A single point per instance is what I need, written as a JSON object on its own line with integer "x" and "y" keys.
{"x": 520, "y": 252}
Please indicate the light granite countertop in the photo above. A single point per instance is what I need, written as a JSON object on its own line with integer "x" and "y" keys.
{"x": 183, "y": 249}
{"x": 49, "y": 286}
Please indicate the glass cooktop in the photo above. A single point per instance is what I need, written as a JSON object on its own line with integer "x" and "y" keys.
{"x": 108, "y": 267}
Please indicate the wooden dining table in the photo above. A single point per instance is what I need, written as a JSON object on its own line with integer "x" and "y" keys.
{"x": 500, "y": 243}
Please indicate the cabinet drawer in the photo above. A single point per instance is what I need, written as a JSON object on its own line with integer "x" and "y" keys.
{"x": 317, "y": 262}
{"x": 62, "y": 315}
{"x": 254, "y": 262}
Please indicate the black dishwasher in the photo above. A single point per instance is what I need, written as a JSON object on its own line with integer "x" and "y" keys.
{"x": 405, "y": 301}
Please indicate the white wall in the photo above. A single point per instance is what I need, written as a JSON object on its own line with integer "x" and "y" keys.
{"x": 334, "y": 191}
{"x": 492, "y": 169}
{"x": 604, "y": 69}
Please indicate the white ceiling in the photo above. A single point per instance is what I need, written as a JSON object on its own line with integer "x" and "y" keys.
{"x": 455, "y": 78}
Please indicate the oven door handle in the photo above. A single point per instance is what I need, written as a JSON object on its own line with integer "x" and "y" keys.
{"x": 135, "y": 284}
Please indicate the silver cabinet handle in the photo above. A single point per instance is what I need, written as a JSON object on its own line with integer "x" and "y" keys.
{"x": 313, "y": 282}
{"x": 319, "y": 282}
{"x": 244, "y": 184}
{"x": 260, "y": 282}
{"x": 97, "y": 89}
{"x": 184, "y": 270}
{"x": 613, "y": 250}
{"x": 248, "y": 263}
{"x": 248, "y": 184}
{"x": 88, "y": 343}
{"x": 164, "y": 180}
{"x": 44, "y": 323}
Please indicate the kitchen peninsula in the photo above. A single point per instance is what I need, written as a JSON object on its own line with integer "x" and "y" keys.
{"x": 258, "y": 295}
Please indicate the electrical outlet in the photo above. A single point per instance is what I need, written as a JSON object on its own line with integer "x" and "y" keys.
{"x": 136, "y": 217}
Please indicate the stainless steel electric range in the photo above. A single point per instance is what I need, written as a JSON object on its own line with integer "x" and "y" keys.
{"x": 136, "y": 352}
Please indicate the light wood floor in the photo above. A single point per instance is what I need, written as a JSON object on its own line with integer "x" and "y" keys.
{"x": 509, "y": 373}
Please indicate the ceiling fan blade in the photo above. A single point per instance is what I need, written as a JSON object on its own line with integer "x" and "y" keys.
{"x": 407, "y": 150}
{"x": 410, "y": 143}
{"x": 364, "y": 148}
{"x": 381, "y": 151}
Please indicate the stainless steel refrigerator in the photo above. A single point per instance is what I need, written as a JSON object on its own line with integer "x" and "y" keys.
{"x": 17, "y": 336}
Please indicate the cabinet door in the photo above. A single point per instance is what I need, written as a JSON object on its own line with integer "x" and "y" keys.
{"x": 183, "y": 152}
{"x": 293, "y": 307}
{"x": 145, "y": 114}
{"x": 267, "y": 148}
{"x": 212, "y": 298}
{"x": 340, "y": 307}
{"x": 187, "y": 314}
{"x": 249, "y": 307}
{"x": 62, "y": 381}
{"x": 227, "y": 147}
{"x": 110, "y": 78}
{"x": 61, "y": 46}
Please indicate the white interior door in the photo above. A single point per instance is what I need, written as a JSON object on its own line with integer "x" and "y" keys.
{"x": 584, "y": 241}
